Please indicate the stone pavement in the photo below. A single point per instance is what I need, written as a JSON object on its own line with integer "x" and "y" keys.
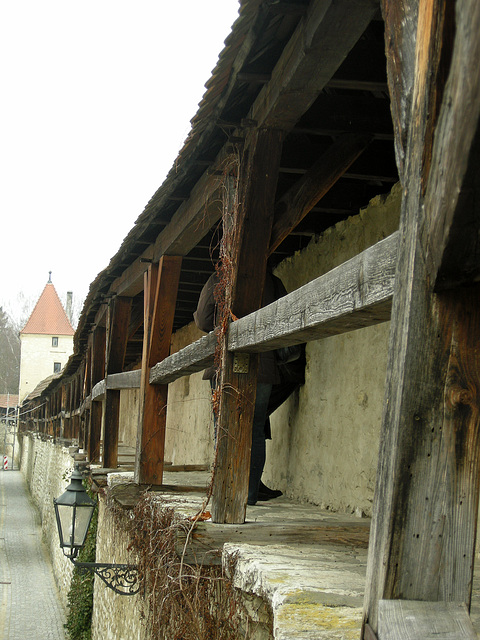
{"x": 29, "y": 605}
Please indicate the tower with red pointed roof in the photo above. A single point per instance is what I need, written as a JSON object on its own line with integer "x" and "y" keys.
{"x": 46, "y": 341}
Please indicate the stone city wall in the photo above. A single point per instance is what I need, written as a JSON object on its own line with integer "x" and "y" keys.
{"x": 114, "y": 616}
{"x": 47, "y": 468}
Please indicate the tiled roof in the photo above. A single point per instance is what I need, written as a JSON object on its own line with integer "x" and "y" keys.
{"x": 49, "y": 317}
{"x": 41, "y": 386}
{"x": 8, "y": 400}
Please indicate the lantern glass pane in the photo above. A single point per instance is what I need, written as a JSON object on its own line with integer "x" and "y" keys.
{"x": 83, "y": 516}
{"x": 65, "y": 520}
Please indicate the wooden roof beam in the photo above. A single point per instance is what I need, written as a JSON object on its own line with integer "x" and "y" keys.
{"x": 315, "y": 51}
{"x": 319, "y": 45}
{"x": 304, "y": 195}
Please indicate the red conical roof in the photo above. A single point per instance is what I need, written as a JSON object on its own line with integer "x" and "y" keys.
{"x": 49, "y": 316}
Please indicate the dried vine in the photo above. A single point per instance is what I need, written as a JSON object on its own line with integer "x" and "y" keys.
{"x": 180, "y": 601}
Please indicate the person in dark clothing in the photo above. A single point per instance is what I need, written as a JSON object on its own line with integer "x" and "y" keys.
{"x": 268, "y": 376}
{"x": 292, "y": 376}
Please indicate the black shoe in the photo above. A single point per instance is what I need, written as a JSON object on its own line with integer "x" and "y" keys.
{"x": 251, "y": 503}
{"x": 264, "y": 493}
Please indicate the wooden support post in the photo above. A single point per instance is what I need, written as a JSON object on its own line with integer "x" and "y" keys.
{"x": 425, "y": 510}
{"x": 160, "y": 296}
{"x": 64, "y": 422}
{"x": 96, "y": 410}
{"x": 117, "y": 336}
{"x": 253, "y": 225}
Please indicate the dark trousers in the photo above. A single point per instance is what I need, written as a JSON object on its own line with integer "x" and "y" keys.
{"x": 257, "y": 459}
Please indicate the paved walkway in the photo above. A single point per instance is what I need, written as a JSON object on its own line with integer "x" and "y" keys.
{"x": 29, "y": 604}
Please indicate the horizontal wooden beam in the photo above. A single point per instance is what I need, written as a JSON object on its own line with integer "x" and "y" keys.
{"x": 125, "y": 380}
{"x": 356, "y": 294}
{"x": 195, "y": 357}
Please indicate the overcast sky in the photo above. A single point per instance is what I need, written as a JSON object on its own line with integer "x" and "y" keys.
{"x": 97, "y": 98}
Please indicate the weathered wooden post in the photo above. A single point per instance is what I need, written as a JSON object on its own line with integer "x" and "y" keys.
{"x": 98, "y": 340}
{"x": 237, "y": 384}
{"x": 425, "y": 510}
{"x": 117, "y": 338}
{"x": 160, "y": 296}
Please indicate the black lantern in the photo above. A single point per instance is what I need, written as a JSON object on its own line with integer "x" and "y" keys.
{"x": 74, "y": 510}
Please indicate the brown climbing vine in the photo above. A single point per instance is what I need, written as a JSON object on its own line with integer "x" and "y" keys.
{"x": 180, "y": 601}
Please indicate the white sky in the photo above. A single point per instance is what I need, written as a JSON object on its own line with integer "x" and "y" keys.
{"x": 97, "y": 98}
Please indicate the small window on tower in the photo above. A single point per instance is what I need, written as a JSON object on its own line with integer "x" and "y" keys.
{"x": 57, "y": 366}
{"x": 54, "y": 342}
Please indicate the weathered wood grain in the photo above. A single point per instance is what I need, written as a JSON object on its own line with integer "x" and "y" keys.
{"x": 253, "y": 226}
{"x": 117, "y": 337}
{"x": 426, "y": 500}
{"x": 400, "y": 39}
{"x": 192, "y": 358}
{"x": 124, "y": 380}
{"x": 412, "y": 620}
{"x": 319, "y": 45}
{"x": 206, "y": 542}
{"x": 98, "y": 391}
{"x": 355, "y": 294}
{"x": 97, "y": 374}
{"x": 160, "y": 299}
{"x": 452, "y": 197}
{"x": 304, "y": 195}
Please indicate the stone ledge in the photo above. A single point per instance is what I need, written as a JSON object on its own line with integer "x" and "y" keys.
{"x": 306, "y": 565}
{"x": 313, "y": 592}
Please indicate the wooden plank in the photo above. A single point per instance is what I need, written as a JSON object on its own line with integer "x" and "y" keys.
{"x": 426, "y": 501}
{"x": 368, "y": 633}
{"x": 253, "y": 223}
{"x": 304, "y": 195}
{"x": 118, "y": 334}
{"x": 192, "y": 358}
{"x": 161, "y": 285}
{"x": 355, "y": 294}
{"x": 98, "y": 391}
{"x": 117, "y": 338}
{"x": 206, "y": 542}
{"x": 416, "y": 620}
{"x": 124, "y": 380}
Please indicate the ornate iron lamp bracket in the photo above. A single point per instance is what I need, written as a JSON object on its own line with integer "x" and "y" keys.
{"x": 121, "y": 578}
